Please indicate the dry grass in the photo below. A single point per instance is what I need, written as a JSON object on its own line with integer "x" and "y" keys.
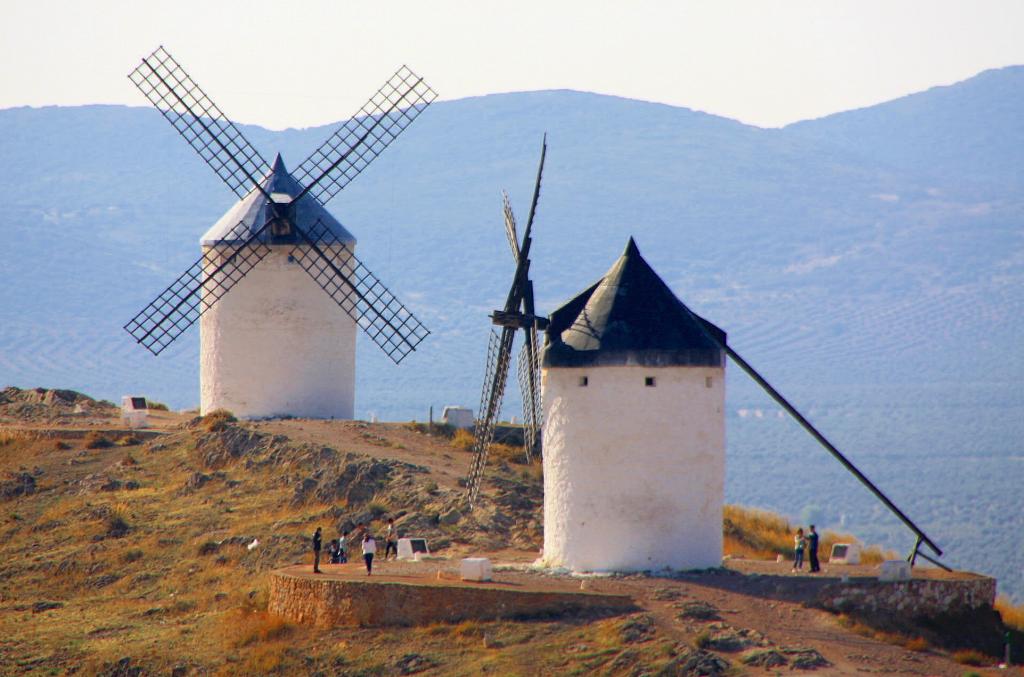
{"x": 971, "y": 657}
{"x": 248, "y": 627}
{"x": 217, "y": 420}
{"x": 8, "y": 436}
{"x": 506, "y": 453}
{"x": 1012, "y": 615}
{"x": 750, "y": 532}
{"x": 916, "y": 644}
{"x": 463, "y": 440}
{"x": 759, "y": 534}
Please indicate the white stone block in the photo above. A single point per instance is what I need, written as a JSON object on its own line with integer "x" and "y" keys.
{"x": 476, "y": 569}
{"x": 134, "y": 411}
{"x": 894, "y": 570}
{"x": 412, "y": 548}
{"x": 845, "y": 553}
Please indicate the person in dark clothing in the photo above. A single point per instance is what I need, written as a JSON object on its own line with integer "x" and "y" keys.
{"x": 812, "y": 550}
{"x": 391, "y": 539}
{"x": 332, "y": 552}
{"x": 317, "y": 540}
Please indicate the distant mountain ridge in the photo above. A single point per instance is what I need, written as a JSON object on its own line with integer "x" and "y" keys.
{"x": 870, "y": 263}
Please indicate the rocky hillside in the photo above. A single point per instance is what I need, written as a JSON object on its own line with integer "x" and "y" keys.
{"x": 146, "y": 552}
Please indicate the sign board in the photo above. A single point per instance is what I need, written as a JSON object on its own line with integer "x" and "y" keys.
{"x": 134, "y": 411}
{"x": 845, "y": 553}
{"x": 409, "y": 548}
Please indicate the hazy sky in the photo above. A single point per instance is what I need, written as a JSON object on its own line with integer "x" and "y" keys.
{"x": 295, "y": 64}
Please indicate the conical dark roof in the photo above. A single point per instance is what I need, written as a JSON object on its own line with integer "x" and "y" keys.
{"x": 254, "y": 211}
{"x": 629, "y": 316}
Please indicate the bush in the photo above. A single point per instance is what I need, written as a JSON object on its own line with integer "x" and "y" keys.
{"x": 117, "y": 521}
{"x": 133, "y": 555}
{"x": 916, "y": 644}
{"x": 1013, "y": 616}
{"x": 508, "y": 454}
{"x": 217, "y": 420}
{"x": 259, "y": 626}
{"x": 463, "y": 440}
{"x": 97, "y": 440}
{"x": 157, "y": 406}
{"x": 970, "y": 657}
{"x": 208, "y": 548}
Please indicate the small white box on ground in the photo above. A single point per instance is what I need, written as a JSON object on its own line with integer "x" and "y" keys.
{"x": 476, "y": 569}
{"x": 134, "y": 411}
{"x": 458, "y": 417}
{"x": 412, "y": 548}
{"x": 895, "y": 570}
{"x": 845, "y": 553}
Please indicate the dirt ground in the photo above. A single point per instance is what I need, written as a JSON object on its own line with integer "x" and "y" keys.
{"x": 763, "y": 600}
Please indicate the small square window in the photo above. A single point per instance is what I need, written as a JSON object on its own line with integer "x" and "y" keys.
{"x": 584, "y": 381}
{"x": 707, "y": 381}
{"x": 649, "y": 381}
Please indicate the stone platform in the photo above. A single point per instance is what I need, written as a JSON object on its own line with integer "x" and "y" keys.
{"x": 413, "y": 594}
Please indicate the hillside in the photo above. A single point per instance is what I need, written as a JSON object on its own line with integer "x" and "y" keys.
{"x": 124, "y": 551}
{"x": 870, "y": 264}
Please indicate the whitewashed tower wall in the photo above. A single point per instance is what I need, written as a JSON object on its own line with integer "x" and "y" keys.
{"x": 634, "y": 475}
{"x": 276, "y": 345}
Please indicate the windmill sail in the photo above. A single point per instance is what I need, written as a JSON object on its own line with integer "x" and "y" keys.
{"x": 529, "y": 388}
{"x": 328, "y": 260}
{"x": 499, "y": 352}
{"x": 334, "y": 266}
{"x": 366, "y": 134}
{"x": 199, "y": 121}
{"x": 517, "y": 314}
{"x": 196, "y": 290}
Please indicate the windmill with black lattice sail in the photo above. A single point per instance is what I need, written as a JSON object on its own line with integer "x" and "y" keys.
{"x": 277, "y": 343}
{"x": 518, "y": 314}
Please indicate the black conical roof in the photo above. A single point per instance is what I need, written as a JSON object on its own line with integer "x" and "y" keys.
{"x": 254, "y": 211}
{"x": 630, "y": 316}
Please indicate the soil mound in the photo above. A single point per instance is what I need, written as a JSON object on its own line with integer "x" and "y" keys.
{"x": 45, "y": 405}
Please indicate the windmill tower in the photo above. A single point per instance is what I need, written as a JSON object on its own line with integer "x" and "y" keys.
{"x": 634, "y": 434}
{"x": 277, "y": 344}
{"x": 518, "y": 314}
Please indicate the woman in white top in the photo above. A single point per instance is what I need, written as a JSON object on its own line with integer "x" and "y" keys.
{"x": 369, "y": 548}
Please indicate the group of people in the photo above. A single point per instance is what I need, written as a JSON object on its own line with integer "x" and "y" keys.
{"x": 808, "y": 543}
{"x": 337, "y": 550}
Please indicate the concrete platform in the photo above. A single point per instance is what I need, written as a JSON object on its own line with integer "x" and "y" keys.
{"x": 412, "y": 593}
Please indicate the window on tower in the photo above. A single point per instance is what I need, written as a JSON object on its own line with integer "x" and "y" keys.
{"x": 649, "y": 381}
{"x": 707, "y": 381}
{"x": 584, "y": 381}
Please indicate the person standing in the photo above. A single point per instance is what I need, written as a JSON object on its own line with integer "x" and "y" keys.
{"x": 799, "y": 543}
{"x": 317, "y": 542}
{"x": 391, "y": 540}
{"x": 343, "y": 548}
{"x": 369, "y": 548}
{"x": 812, "y": 550}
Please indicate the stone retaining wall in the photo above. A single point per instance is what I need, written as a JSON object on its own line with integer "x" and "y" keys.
{"x": 326, "y": 602}
{"x": 918, "y": 597}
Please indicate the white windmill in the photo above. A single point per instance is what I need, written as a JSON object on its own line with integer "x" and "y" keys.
{"x": 633, "y": 393}
{"x": 277, "y": 344}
